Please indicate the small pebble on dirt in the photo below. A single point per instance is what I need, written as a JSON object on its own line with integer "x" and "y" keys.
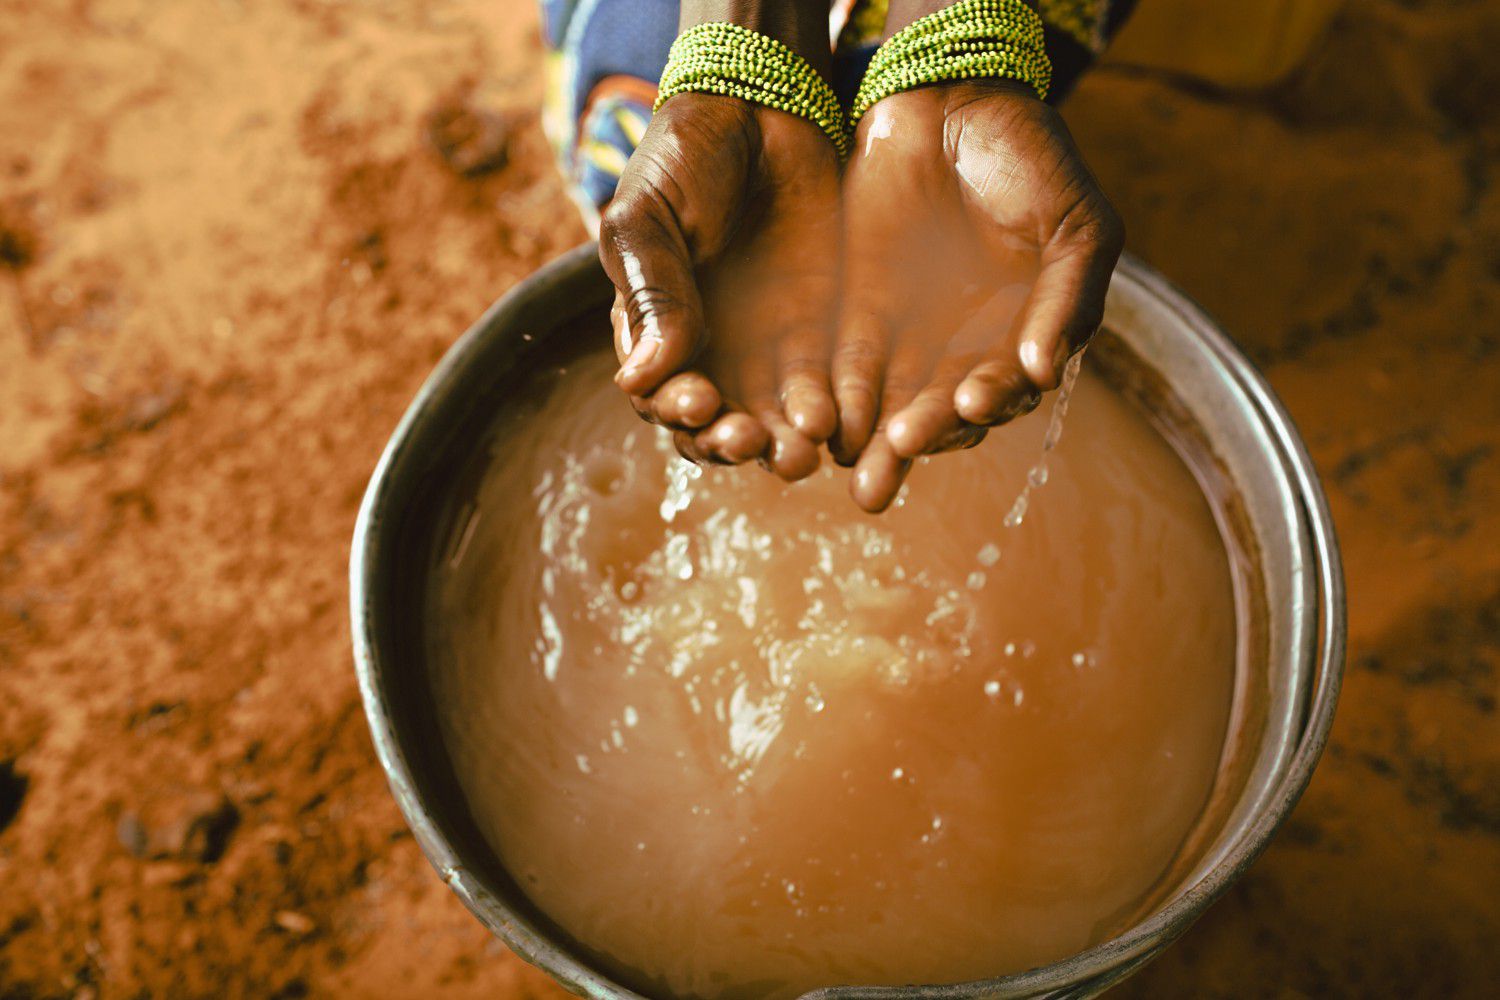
{"x": 184, "y": 826}
{"x": 295, "y": 923}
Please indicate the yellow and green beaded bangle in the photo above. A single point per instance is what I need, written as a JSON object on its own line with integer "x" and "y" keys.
{"x": 722, "y": 58}
{"x": 969, "y": 40}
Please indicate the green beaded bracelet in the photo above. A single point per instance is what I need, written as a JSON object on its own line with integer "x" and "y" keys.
{"x": 969, "y": 40}
{"x": 722, "y": 58}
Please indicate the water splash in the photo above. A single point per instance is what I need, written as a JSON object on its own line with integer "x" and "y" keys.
{"x": 679, "y": 493}
{"x": 1036, "y": 476}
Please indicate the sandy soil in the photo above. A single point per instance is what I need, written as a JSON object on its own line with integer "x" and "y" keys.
{"x": 229, "y": 251}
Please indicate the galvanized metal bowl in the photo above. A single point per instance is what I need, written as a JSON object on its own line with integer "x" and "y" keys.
{"x": 1157, "y": 347}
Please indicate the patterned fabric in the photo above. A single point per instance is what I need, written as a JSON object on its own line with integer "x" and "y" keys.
{"x": 1080, "y": 20}
{"x": 606, "y": 56}
{"x": 1077, "y": 32}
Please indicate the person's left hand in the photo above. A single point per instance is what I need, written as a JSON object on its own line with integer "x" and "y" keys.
{"x": 978, "y": 250}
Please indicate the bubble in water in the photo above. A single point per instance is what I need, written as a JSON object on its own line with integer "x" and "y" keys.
{"x": 976, "y": 580}
{"x": 992, "y": 688}
{"x": 989, "y": 555}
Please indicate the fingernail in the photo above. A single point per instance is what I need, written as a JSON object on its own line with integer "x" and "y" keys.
{"x": 640, "y": 356}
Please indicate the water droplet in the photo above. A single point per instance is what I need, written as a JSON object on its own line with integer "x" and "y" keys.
{"x": 1017, "y": 512}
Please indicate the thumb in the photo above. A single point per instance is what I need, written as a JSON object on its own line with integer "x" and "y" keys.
{"x": 648, "y": 260}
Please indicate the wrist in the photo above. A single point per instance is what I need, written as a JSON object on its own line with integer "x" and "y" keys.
{"x": 957, "y": 93}
{"x": 800, "y": 25}
{"x": 982, "y": 40}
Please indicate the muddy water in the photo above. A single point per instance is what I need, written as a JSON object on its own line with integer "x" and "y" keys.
{"x": 742, "y": 740}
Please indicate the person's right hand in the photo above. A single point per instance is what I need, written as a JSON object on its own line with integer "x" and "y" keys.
{"x": 722, "y": 242}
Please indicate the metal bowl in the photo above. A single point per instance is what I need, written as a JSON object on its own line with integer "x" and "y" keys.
{"x": 1157, "y": 347}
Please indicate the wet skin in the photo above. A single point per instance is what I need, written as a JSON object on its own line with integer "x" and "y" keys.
{"x": 935, "y": 289}
{"x": 727, "y": 220}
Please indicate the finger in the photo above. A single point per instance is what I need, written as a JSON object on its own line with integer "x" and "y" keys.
{"x": 930, "y": 419}
{"x": 647, "y": 259}
{"x": 858, "y": 372}
{"x": 878, "y": 475}
{"x": 642, "y": 407}
{"x": 686, "y": 401}
{"x": 876, "y": 245}
{"x": 733, "y": 439}
{"x": 790, "y": 454}
{"x": 621, "y": 329}
{"x": 996, "y": 390}
{"x": 1066, "y": 304}
{"x": 808, "y": 262}
{"x": 806, "y": 393}
{"x": 687, "y": 446}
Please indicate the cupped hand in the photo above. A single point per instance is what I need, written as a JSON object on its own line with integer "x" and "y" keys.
{"x": 978, "y": 252}
{"x": 722, "y": 243}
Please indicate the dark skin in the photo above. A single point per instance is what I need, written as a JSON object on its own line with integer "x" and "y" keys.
{"x": 933, "y": 291}
{"x": 727, "y": 220}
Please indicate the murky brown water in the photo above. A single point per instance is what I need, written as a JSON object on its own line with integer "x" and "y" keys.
{"x": 743, "y": 740}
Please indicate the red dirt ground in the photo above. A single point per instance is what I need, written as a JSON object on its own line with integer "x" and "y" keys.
{"x": 229, "y": 253}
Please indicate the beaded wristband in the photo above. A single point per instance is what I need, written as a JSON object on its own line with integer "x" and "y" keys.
{"x": 969, "y": 40}
{"x": 722, "y": 58}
